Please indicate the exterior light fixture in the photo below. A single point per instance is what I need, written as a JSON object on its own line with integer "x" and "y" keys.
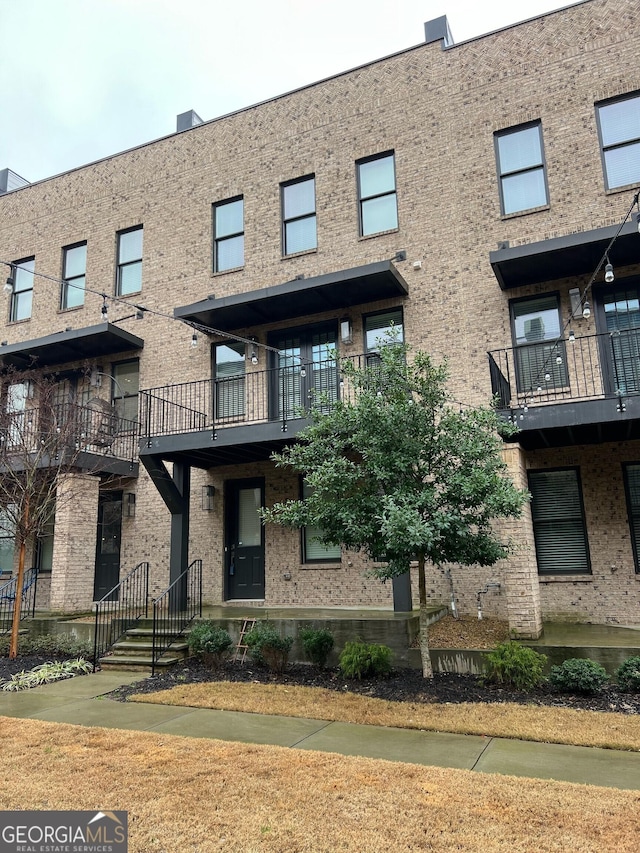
{"x": 608, "y": 272}
{"x": 586, "y": 311}
{"x": 254, "y": 356}
{"x": 129, "y": 505}
{"x": 8, "y": 288}
{"x": 572, "y": 336}
{"x": 104, "y": 313}
{"x": 637, "y": 218}
{"x": 208, "y": 493}
{"x": 194, "y": 340}
{"x": 346, "y": 331}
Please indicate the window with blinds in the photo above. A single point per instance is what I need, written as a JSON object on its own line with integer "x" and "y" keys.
{"x": 558, "y": 522}
{"x": 229, "y": 381}
{"x": 539, "y": 353}
{"x": 632, "y": 488}
{"x": 313, "y": 551}
{"x": 619, "y": 131}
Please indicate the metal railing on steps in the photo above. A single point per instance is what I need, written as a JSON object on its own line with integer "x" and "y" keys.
{"x": 8, "y": 592}
{"x": 120, "y": 609}
{"x": 175, "y": 609}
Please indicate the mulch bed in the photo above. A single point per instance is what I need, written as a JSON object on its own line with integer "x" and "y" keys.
{"x": 403, "y": 685}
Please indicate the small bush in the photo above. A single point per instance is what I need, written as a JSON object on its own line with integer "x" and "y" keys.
{"x": 268, "y": 647}
{"x": 317, "y": 645}
{"x": 578, "y": 675}
{"x": 361, "y": 660}
{"x": 516, "y": 666}
{"x": 46, "y": 673}
{"x": 628, "y": 675}
{"x": 210, "y": 643}
{"x": 55, "y": 645}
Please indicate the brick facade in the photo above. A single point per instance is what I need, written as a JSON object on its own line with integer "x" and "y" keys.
{"x": 437, "y": 110}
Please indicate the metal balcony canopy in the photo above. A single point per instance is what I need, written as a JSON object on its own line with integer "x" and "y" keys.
{"x": 91, "y": 342}
{"x": 298, "y": 298}
{"x": 564, "y": 257}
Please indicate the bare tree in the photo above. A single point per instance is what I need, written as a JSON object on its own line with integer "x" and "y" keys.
{"x": 46, "y": 432}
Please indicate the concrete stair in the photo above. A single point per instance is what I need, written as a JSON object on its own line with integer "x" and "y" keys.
{"x": 134, "y": 649}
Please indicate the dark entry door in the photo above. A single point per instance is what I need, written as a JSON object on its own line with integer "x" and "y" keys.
{"x": 108, "y": 544}
{"x": 244, "y": 546}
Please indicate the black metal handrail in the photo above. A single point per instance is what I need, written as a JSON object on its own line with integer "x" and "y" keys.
{"x": 175, "y": 609}
{"x": 568, "y": 369}
{"x": 8, "y": 593}
{"x": 256, "y": 396}
{"x": 119, "y": 609}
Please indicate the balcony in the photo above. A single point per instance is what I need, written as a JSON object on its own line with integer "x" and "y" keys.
{"x": 565, "y": 392}
{"x": 235, "y": 419}
{"x": 91, "y": 437}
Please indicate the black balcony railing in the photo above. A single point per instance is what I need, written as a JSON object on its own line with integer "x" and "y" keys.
{"x": 67, "y": 429}
{"x": 584, "y": 368}
{"x": 256, "y": 396}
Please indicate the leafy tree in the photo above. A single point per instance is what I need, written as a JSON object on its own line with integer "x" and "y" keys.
{"x": 398, "y": 472}
{"x": 44, "y": 435}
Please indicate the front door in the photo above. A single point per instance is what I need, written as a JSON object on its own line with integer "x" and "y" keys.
{"x": 108, "y": 544}
{"x": 244, "y": 539}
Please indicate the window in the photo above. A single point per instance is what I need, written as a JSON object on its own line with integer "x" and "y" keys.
{"x": 228, "y": 235}
{"x": 632, "y": 488}
{"x": 539, "y": 354}
{"x": 558, "y": 522}
{"x": 129, "y": 262}
{"x": 229, "y": 380}
{"x": 74, "y": 267}
{"x": 299, "y": 216}
{"x": 22, "y": 293}
{"x": 125, "y": 384}
{"x": 378, "y": 207}
{"x": 521, "y": 168}
{"x": 384, "y": 328}
{"x": 619, "y": 132}
{"x": 313, "y": 551}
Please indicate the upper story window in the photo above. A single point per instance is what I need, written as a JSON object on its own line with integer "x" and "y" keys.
{"x": 299, "y": 216}
{"x": 129, "y": 278}
{"x": 619, "y": 131}
{"x": 125, "y": 384}
{"x": 22, "y": 292}
{"x": 383, "y": 328}
{"x": 229, "y": 367}
{"x": 378, "y": 207}
{"x": 228, "y": 234}
{"x": 521, "y": 168}
{"x": 74, "y": 268}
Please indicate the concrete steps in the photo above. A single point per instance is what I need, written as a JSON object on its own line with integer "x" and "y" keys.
{"x": 133, "y": 651}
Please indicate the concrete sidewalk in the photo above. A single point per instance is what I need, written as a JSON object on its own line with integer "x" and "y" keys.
{"x": 81, "y": 701}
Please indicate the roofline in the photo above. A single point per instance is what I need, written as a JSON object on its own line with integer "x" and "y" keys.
{"x": 287, "y": 94}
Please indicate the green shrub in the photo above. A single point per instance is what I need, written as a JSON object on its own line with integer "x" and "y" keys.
{"x": 54, "y": 645}
{"x": 360, "y": 660}
{"x": 628, "y": 675}
{"x": 516, "y": 666}
{"x": 317, "y": 644}
{"x": 46, "y": 673}
{"x": 268, "y": 647}
{"x": 210, "y": 643}
{"x": 578, "y": 675}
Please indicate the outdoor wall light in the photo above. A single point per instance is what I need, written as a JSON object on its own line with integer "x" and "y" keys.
{"x": 129, "y": 505}
{"x": 586, "y": 311}
{"x": 574, "y": 297}
{"x": 207, "y": 497}
{"x": 8, "y": 288}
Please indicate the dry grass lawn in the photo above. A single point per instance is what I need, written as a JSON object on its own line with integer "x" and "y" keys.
{"x": 526, "y": 722}
{"x": 195, "y": 796}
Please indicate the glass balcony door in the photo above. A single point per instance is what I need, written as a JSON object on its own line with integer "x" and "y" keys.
{"x": 305, "y": 371}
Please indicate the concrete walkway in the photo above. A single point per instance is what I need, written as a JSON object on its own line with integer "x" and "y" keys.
{"x": 81, "y": 701}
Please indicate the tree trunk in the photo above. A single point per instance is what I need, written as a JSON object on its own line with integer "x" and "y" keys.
{"x": 427, "y": 669}
{"x": 17, "y": 604}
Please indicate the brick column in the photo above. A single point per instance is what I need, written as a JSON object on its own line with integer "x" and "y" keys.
{"x": 74, "y": 543}
{"x": 521, "y": 570}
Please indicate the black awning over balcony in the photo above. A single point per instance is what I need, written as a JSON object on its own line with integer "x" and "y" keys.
{"x": 564, "y": 257}
{"x": 298, "y": 298}
{"x": 91, "y": 342}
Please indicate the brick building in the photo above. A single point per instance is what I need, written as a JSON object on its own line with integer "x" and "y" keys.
{"x": 465, "y": 192}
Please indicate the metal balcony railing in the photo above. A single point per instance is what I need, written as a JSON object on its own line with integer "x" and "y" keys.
{"x": 255, "y": 396}
{"x": 68, "y": 428}
{"x": 585, "y": 368}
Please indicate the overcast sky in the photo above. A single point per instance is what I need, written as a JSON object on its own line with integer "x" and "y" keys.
{"x": 82, "y": 79}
